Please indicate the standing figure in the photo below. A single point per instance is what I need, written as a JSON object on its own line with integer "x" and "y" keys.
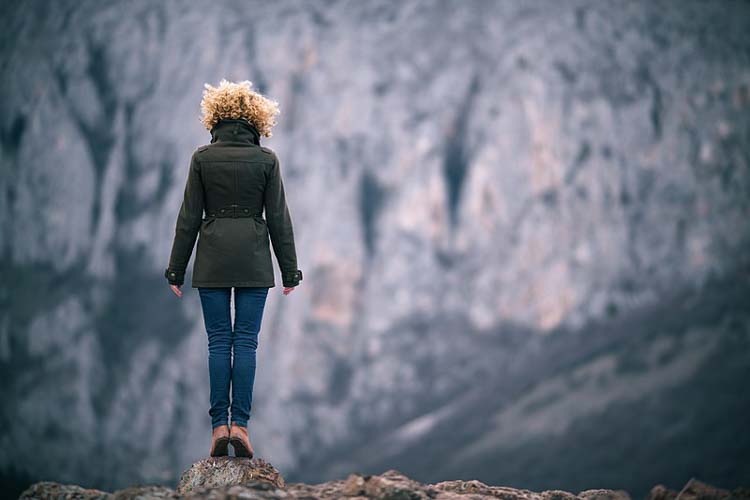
{"x": 233, "y": 179}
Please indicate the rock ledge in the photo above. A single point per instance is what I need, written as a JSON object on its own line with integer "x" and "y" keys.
{"x": 224, "y": 478}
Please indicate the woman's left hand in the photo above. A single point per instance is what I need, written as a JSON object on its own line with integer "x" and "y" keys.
{"x": 176, "y": 290}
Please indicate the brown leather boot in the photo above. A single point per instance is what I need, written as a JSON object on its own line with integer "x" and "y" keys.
{"x": 219, "y": 441}
{"x": 240, "y": 441}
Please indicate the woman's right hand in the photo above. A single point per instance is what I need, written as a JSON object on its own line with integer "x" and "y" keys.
{"x": 288, "y": 290}
{"x": 176, "y": 290}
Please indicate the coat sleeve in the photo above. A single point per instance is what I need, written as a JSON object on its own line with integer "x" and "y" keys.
{"x": 187, "y": 226}
{"x": 280, "y": 226}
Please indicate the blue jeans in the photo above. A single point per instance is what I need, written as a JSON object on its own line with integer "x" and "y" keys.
{"x": 249, "y": 303}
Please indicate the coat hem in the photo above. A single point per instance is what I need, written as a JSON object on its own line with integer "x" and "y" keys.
{"x": 222, "y": 284}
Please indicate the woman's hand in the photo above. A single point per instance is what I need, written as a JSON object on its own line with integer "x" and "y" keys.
{"x": 288, "y": 290}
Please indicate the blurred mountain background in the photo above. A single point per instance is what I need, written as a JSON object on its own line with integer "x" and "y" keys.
{"x": 523, "y": 226}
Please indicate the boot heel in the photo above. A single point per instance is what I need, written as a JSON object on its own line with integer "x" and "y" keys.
{"x": 219, "y": 442}
{"x": 240, "y": 450}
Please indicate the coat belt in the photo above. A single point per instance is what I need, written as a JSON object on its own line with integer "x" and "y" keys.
{"x": 233, "y": 211}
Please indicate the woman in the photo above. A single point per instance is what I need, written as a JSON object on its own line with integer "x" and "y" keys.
{"x": 233, "y": 179}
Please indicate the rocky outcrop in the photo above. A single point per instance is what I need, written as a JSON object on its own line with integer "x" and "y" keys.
{"x": 695, "y": 490}
{"x": 52, "y": 490}
{"x": 216, "y": 472}
{"x": 234, "y": 478}
{"x": 392, "y": 484}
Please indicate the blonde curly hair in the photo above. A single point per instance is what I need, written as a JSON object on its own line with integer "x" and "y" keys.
{"x": 238, "y": 100}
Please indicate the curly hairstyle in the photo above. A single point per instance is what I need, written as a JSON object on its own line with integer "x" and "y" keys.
{"x": 238, "y": 100}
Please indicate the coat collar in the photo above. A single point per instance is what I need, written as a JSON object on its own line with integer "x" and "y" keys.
{"x": 235, "y": 130}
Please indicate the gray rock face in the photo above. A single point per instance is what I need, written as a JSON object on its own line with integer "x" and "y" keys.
{"x": 523, "y": 227}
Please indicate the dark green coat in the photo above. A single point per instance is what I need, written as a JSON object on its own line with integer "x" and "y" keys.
{"x": 234, "y": 175}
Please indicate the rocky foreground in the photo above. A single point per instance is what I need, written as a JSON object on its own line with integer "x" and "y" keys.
{"x": 241, "y": 478}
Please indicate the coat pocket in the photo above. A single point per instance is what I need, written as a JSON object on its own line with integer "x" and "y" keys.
{"x": 261, "y": 237}
{"x": 261, "y": 231}
{"x": 206, "y": 225}
{"x": 260, "y": 226}
{"x": 207, "y": 229}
